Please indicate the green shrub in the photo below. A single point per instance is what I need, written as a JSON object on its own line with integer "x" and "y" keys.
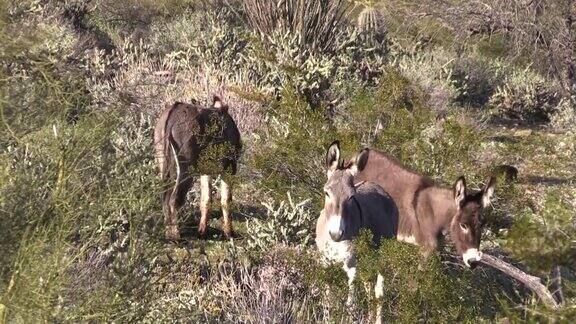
{"x": 564, "y": 115}
{"x": 418, "y": 289}
{"x": 288, "y": 223}
{"x": 433, "y": 72}
{"x": 477, "y": 78}
{"x": 291, "y": 151}
{"x": 396, "y": 120}
{"x": 546, "y": 239}
{"x": 526, "y": 95}
{"x": 86, "y": 203}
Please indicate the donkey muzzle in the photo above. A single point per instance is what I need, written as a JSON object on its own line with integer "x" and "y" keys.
{"x": 471, "y": 257}
{"x": 335, "y": 235}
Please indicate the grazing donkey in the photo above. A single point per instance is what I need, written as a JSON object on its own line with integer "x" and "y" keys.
{"x": 348, "y": 208}
{"x": 190, "y": 139}
{"x": 427, "y": 209}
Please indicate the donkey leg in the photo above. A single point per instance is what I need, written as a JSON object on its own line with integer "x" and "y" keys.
{"x": 225, "y": 201}
{"x": 350, "y": 269}
{"x": 379, "y": 294}
{"x": 171, "y": 231}
{"x": 177, "y": 199}
{"x": 204, "y": 204}
{"x": 172, "y": 201}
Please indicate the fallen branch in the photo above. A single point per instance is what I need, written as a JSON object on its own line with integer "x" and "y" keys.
{"x": 532, "y": 282}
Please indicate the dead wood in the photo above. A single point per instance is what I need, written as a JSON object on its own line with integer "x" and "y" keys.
{"x": 533, "y": 283}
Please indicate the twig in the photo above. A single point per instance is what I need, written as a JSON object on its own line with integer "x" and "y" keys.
{"x": 558, "y": 285}
{"x": 532, "y": 282}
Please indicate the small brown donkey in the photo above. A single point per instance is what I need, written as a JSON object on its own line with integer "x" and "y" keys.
{"x": 426, "y": 209}
{"x": 190, "y": 139}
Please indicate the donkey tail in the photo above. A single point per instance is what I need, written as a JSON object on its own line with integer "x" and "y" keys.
{"x": 168, "y": 145}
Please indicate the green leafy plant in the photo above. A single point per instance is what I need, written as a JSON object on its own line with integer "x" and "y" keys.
{"x": 526, "y": 95}
{"x": 287, "y": 223}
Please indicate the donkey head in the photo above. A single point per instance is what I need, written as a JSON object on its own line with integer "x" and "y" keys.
{"x": 340, "y": 207}
{"x": 466, "y": 226}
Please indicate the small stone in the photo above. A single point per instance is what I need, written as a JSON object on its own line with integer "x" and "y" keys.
{"x": 523, "y": 132}
{"x": 3, "y": 314}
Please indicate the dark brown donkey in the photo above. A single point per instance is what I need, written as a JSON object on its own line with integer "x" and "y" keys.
{"x": 190, "y": 139}
{"x": 427, "y": 210}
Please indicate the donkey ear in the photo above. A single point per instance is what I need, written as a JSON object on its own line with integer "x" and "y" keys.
{"x": 333, "y": 157}
{"x": 359, "y": 161}
{"x": 488, "y": 191}
{"x": 216, "y": 102}
{"x": 460, "y": 191}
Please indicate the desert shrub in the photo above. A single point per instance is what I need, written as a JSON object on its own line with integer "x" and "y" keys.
{"x": 545, "y": 239}
{"x": 296, "y": 137}
{"x": 218, "y": 47}
{"x": 417, "y": 289}
{"x": 395, "y": 119}
{"x": 323, "y": 287}
{"x": 315, "y": 24}
{"x": 279, "y": 62}
{"x": 275, "y": 59}
{"x": 433, "y": 71}
{"x": 526, "y": 95}
{"x": 564, "y": 115}
{"x": 477, "y": 78}
{"x": 285, "y": 284}
{"x": 291, "y": 151}
{"x": 288, "y": 223}
{"x": 41, "y": 94}
{"x": 74, "y": 163}
{"x": 133, "y": 19}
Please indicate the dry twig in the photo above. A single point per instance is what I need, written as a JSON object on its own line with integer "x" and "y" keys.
{"x": 532, "y": 282}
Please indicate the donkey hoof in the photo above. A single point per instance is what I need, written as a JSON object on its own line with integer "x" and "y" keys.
{"x": 172, "y": 233}
{"x": 202, "y": 233}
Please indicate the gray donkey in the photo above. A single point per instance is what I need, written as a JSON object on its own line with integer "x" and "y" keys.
{"x": 190, "y": 139}
{"x": 348, "y": 208}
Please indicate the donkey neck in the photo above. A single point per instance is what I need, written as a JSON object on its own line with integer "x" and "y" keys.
{"x": 442, "y": 206}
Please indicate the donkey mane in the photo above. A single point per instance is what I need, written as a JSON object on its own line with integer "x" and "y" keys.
{"x": 425, "y": 183}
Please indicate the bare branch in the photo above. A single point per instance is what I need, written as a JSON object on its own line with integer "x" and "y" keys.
{"x": 531, "y": 282}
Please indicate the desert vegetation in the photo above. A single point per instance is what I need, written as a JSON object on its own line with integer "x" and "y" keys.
{"x": 449, "y": 88}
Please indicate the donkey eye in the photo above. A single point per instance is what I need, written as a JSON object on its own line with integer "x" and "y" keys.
{"x": 326, "y": 194}
{"x": 464, "y": 227}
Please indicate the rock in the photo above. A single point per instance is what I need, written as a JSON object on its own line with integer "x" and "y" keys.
{"x": 509, "y": 172}
{"x": 3, "y": 314}
{"x": 523, "y": 133}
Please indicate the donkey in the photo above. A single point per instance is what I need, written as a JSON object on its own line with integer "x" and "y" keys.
{"x": 348, "y": 208}
{"x": 427, "y": 210}
{"x": 190, "y": 139}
